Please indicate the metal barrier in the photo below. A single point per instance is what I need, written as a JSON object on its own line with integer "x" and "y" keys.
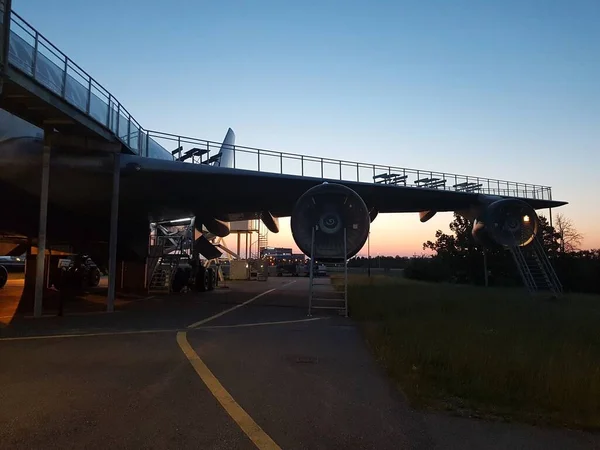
{"x": 263, "y": 160}
{"x": 35, "y": 56}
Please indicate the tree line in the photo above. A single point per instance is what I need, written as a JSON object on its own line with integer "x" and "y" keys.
{"x": 458, "y": 257}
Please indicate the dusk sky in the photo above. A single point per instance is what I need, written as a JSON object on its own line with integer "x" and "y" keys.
{"x": 505, "y": 89}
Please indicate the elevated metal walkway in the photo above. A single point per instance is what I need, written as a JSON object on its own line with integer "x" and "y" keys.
{"x": 264, "y": 160}
{"x": 43, "y": 86}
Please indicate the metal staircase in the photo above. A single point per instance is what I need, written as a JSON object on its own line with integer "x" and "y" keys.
{"x": 169, "y": 246}
{"x": 162, "y": 277}
{"x": 535, "y": 268}
{"x": 321, "y": 295}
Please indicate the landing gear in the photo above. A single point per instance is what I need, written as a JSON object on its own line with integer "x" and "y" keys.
{"x": 180, "y": 279}
{"x": 202, "y": 280}
{"x": 206, "y": 279}
{"x": 215, "y": 277}
{"x": 3, "y": 276}
{"x": 211, "y": 278}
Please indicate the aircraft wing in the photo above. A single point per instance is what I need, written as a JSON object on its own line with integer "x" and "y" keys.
{"x": 227, "y": 192}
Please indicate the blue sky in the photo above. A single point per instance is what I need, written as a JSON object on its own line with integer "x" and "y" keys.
{"x": 505, "y": 89}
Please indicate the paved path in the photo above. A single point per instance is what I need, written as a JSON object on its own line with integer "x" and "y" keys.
{"x": 302, "y": 384}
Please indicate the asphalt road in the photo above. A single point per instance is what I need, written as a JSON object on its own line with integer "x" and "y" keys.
{"x": 122, "y": 381}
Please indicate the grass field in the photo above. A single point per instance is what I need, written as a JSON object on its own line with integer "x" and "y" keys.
{"x": 485, "y": 352}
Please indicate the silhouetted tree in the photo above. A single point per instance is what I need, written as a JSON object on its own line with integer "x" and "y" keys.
{"x": 570, "y": 238}
{"x": 550, "y": 238}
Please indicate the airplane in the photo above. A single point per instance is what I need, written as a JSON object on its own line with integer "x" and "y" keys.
{"x": 154, "y": 190}
{"x": 160, "y": 185}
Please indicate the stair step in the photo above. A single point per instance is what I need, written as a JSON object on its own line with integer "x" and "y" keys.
{"x": 329, "y": 307}
{"x": 321, "y": 299}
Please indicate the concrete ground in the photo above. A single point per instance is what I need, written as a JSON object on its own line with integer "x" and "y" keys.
{"x": 251, "y": 373}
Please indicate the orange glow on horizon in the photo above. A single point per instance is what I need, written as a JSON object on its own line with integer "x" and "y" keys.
{"x": 401, "y": 234}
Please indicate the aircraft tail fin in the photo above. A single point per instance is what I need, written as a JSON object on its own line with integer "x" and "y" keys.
{"x": 226, "y": 158}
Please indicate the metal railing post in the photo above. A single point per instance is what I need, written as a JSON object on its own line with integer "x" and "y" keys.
{"x": 302, "y": 165}
{"x": 88, "y": 103}
{"x": 118, "y": 119}
{"x": 64, "y": 80}
{"x": 129, "y": 131}
{"x": 258, "y": 157}
{"x": 281, "y": 163}
{"x": 35, "y": 53}
{"x": 321, "y": 168}
{"x": 108, "y": 114}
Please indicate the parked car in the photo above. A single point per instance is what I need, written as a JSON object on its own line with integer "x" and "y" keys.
{"x": 287, "y": 269}
{"x": 320, "y": 270}
{"x": 13, "y": 263}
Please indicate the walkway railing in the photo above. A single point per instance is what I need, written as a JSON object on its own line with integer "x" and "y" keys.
{"x": 32, "y": 54}
{"x": 201, "y": 151}
{"x": 38, "y": 58}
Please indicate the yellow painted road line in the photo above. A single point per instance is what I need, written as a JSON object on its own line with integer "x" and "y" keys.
{"x": 237, "y": 413}
{"x": 75, "y": 335}
{"x": 254, "y": 432}
{"x": 160, "y": 330}
{"x": 260, "y": 324}
{"x": 222, "y": 313}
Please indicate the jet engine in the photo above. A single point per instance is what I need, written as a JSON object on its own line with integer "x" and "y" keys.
{"x": 330, "y": 208}
{"x": 507, "y": 222}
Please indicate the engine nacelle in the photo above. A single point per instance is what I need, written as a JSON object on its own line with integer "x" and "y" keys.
{"x": 507, "y": 222}
{"x": 329, "y": 208}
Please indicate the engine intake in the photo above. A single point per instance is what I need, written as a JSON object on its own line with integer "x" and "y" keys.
{"x": 507, "y": 222}
{"x": 329, "y": 208}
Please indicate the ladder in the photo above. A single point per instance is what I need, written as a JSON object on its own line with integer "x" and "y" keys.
{"x": 321, "y": 296}
{"x": 263, "y": 241}
{"x": 535, "y": 268}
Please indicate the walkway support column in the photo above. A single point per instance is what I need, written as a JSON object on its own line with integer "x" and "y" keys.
{"x": 114, "y": 228}
{"x": 41, "y": 243}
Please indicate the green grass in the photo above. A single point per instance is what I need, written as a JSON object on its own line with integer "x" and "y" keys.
{"x": 487, "y": 352}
